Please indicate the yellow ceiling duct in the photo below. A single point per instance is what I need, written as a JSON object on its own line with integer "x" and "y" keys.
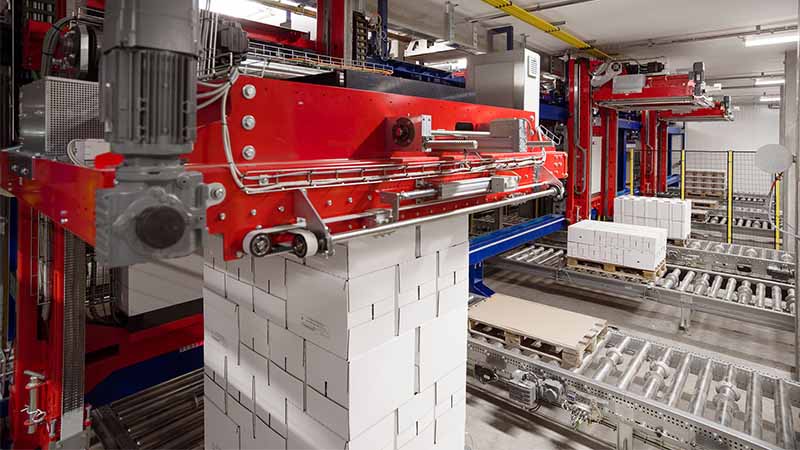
{"x": 513, "y": 10}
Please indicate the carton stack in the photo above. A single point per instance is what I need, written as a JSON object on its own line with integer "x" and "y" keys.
{"x": 634, "y": 246}
{"x": 365, "y": 349}
{"x": 670, "y": 214}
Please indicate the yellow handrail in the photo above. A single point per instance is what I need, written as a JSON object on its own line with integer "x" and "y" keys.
{"x": 513, "y": 10}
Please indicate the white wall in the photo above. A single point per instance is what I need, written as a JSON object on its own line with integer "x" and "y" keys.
{"x": 754, "y": 126}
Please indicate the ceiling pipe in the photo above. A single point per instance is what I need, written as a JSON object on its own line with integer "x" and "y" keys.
{"x": 513, "y": 10}
{"x": 534, "y": 8}
{"x": 657, "y": 42}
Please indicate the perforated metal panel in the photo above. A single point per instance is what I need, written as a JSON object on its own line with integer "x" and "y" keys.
{"x": 74, "y": 335}
{"x": 54, "y": 111}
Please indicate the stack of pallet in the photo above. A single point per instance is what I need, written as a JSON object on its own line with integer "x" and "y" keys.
{"x": 670, "y": 214}
{"x": 364, "y": 349}
{"x": 614, "y": 247}
{"x": 705, "y": 183}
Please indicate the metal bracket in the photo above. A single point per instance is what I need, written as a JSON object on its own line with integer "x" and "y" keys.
{"x": 305, "y": 209}
{"x": 21, "y": 164}
{"x": 393, "y": 199}
{"x": 686, "y": 313}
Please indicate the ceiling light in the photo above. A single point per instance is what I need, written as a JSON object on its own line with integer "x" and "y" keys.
{"x": 769, "y": 81}
{"x": 771, "y": 39}
{"x": 769, "y": 99}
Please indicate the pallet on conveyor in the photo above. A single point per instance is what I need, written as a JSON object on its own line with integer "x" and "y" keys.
{"x": 551, "y": 333}
{"x": 678, "y": 242}
{"x": 617, "y": 271}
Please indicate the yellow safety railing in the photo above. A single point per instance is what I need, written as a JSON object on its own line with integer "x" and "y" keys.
{"x": 683, "y": 174}
{"x": 630, "y": 171}
{"x": 729, "y": 206}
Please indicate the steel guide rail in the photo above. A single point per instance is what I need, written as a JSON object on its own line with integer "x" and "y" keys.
{"x": 677, "y": 398}
{"x": 690, "y": 289}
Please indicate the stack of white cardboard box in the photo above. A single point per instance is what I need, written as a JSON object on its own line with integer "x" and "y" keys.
{"x": 634, "y": 246}
{"x": 673, "y": 215}
{"x": 365, "y": 349}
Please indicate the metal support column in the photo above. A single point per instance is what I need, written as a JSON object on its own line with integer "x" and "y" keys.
{"x": 608, "y": 185}
{"x": 777, "y": 214}
{"x": 579, "y": 138}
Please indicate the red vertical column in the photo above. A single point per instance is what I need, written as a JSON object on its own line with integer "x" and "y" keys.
{"x": 38, "y": 347}
{"x": 331, "y": 22}
{"x": 579, "y": 138}
{"x": 29, "y": 349}
{"x": 647, "y": 160}
{"x": 663, "y": 148}
{"x": 608, "y": 183}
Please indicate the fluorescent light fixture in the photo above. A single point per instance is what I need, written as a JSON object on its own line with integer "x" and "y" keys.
{"x": 769, "y": 81}
{"x": 769, "y": 99}
{"x": 770, "y": 39}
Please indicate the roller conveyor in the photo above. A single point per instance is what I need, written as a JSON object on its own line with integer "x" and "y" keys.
{"x": 166, "y": 416}
{"x": 742, "y": 283}
{"x": 665, "y": 396}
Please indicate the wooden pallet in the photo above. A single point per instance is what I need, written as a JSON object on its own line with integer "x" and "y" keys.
{"x": 551, "y": 333}
{"x": 678, "y": 242}
{"x": 617, "y": 271}
{"x": 702, "y": 203}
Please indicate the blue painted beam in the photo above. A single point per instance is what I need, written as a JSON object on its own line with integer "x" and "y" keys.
{"x": 629, "y": 124}
{"x": 553, "y": 112}
{"x": 495, "y": 243}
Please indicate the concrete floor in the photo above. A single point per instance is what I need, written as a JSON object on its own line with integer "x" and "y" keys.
{"x": 492, "y": 426}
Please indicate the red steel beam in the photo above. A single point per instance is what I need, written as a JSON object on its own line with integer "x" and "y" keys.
{"x": 647, "y": 158}
{"x": 579, "y": 139}
{"x": 608, "y": 188}
{"x": 663, "y": 148}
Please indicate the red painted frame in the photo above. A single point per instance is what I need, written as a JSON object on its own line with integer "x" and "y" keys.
{"x": 579, "y": 192}
{"x": 657, "y": 87}
{"x": 608, "y": 184}
{"x": 647, "y": 158}
{"x": 716, "y": 114}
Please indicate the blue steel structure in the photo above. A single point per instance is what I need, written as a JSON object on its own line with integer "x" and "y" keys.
{"x": 495, "y": 243}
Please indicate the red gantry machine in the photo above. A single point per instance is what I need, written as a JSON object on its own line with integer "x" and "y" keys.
{"x": 613, "y": 87}
{"x": 212, "y": 146}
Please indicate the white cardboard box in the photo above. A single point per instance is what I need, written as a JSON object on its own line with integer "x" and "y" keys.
{"x": 359, "y": 256}
{"x": 360, "y": 385}
{"x": 441, "y": 234}
{"x": 270, "y": 307}
{"x": 253, "y": 331}
{"x": 286, "y": 350}
{"x": 442, "y": 346}
{"x": 220, "y": 431}
{"x": 329, "y": 311}
{"x": 269, "y": 275}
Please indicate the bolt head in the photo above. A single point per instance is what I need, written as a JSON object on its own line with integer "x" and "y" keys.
{"x": 253, "y": 212}
{"x": 218, "y": 193}
{"x": 329, "y": 202}
{"x": 222, "y": 216}
{"x": 281, "y": 209}
{"x": 248, "y": 152}
{"x": 249, "y": 91}
{"x": 248, "y": 122}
